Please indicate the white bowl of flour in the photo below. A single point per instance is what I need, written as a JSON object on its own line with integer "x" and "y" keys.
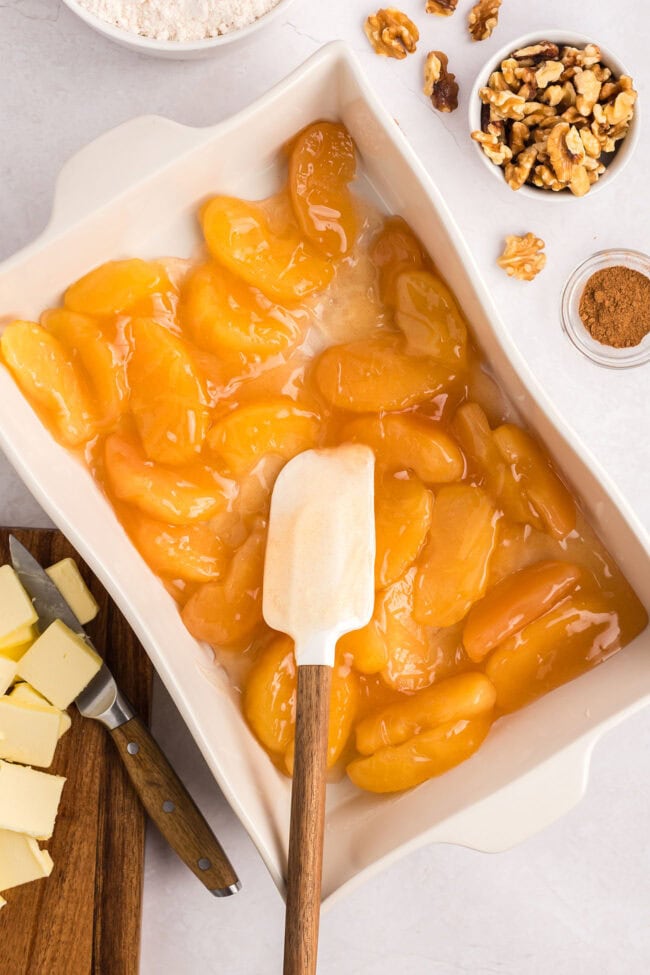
{"x": 176, "y": 28}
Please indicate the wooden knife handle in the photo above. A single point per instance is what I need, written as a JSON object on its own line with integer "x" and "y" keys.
{"x": 307, "y": 821}
{"x": 172, "y": 808}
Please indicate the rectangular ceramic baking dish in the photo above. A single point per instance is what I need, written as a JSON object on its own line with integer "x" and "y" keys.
{"x": 135, "y": 192}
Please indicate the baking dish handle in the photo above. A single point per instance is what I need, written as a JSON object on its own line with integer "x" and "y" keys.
{"x": 526, "y": 806}
{"x": 114, "y": 162}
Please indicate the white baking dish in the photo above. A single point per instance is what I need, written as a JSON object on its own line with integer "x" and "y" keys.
{"x": 134, "y": 192}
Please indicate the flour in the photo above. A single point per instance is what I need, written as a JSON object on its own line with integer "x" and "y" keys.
{"x": 179, "y": 20}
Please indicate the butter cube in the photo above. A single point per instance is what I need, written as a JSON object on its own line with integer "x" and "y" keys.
{"x": 28, "y": 735}
{"x": 23, "y": 635}
{"x": 21, "y": 860}
{"x": 26, "y": 694}
{"x": 68, "y": 580}
{"x": 29, "y": 800}
{"x": 16, "y": 608}
{"x": 17, "y": 651}
{"x": 7, "y": 673}
{"x": 59, "y": 664}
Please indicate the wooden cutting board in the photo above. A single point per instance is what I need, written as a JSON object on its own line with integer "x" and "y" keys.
{"x": 85, "y": 917}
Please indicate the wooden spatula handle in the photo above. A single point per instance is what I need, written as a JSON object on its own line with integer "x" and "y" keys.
{"x": 172, "y": 808}
{"x": 307, "y": 821}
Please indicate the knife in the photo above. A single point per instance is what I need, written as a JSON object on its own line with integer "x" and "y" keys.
{"x": 160, "y": 790}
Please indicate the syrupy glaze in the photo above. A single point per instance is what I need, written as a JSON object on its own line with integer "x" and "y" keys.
{"x": 315, "y": 320}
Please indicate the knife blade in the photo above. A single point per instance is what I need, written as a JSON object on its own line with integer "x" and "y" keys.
{"x": 48, "y": 601}
{"x": 101, "y": 698}
{"x": 161, "y": 791}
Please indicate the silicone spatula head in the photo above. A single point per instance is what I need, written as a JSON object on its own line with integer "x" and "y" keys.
{"x": 320, "y": 553}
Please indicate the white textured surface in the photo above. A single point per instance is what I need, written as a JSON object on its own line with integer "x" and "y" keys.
{"x": 572, "y": 901}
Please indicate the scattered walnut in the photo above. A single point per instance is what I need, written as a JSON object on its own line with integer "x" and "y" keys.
{"x": 439, "y": 83}
{"x": 522, "y": 257}
{"x": 496, "y": 150}
{"x": 517, "y": 172}
{"x": 483, "y": 18}
{"x": 565, "y": 150}
{"x": 444, "y": 8}
{"x": 505, "y": 104}
{"x": 565, "y": 107}
{"x": 588, "y": 88}
{"x": 548, "y": 72}
{"x": 391, "y": 33}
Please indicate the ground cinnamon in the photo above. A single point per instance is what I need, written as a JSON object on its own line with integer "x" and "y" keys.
{"x": 615, "y": 306}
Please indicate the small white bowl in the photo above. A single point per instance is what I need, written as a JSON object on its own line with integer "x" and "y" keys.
{"x": 174, "y": 50}
{"x": 559, "y": 37}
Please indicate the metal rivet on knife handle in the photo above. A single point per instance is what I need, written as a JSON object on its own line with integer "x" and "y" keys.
{"x": 172, "y": 808}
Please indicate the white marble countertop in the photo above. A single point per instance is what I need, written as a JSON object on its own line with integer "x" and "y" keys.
{"x": 573, "y": 900}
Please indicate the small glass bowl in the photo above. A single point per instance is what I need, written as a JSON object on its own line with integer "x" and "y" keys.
{"x": 604, "y": 355}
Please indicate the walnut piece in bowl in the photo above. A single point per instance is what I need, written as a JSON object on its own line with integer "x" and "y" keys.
{"x": 554, "y": 111}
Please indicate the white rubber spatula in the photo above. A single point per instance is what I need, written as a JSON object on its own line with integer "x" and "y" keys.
{"x": 318, "y": 585}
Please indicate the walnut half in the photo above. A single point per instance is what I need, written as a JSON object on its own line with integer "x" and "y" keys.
{"x": 483, "y": 18}
{"x": 503, "y": 104}
{"x": 439, "y": 83}
{"x": 391, "y": 33}
{"x": 517, "y": 172}
{"x": 565, "y": 150}
{"x": 522, "y": 257}
{"x": 494, "y": 148}
{"x": 444, "y": 8}
{"x": 544, "y": 51}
